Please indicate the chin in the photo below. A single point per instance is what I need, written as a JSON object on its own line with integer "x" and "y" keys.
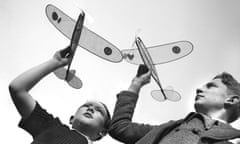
{"x": 83, "y": 121}
{"x": 202, "y": 108}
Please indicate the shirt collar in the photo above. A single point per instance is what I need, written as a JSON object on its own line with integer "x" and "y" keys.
{"x": 88, "y": 139}
{"x": 208, "y": 121}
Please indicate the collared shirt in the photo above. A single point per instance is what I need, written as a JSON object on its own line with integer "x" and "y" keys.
{"x": 207, "y": 121}
{"x": 45, "y": 129}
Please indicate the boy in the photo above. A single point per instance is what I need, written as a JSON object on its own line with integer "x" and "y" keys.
{"x": 89, "y": 123}
{"x": 217, "y": 104}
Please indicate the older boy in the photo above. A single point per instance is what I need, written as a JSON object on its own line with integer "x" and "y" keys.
{"x": 217, "y": 104}
{"x": 89, "y": 123}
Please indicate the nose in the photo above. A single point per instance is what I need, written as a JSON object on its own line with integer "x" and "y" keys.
{"x": 199, "y": 91}
{"x": 90, "y": 109}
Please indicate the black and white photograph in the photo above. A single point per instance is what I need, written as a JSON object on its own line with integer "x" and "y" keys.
{"x": 112, "y": 72}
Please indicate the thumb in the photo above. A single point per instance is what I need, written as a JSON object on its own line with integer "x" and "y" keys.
{"x": 147, "y": 75}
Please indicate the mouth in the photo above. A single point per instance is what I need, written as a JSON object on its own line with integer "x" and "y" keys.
{"x": 198, "y": 97}
{"x": 88, "y": 115}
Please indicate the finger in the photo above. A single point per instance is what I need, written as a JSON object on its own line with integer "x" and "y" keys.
{"x": 65, "y": 52}
{"x": 148, "y": 74}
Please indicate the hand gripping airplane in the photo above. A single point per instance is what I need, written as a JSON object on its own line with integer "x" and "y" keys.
{"x": 82, "y": 36}
{"x": 158, "y": 55}
{"x": 62, "y": 73}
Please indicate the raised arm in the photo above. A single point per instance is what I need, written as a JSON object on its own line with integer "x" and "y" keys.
{"x": 19, "y": 88}
{"x": 122, "y": 128}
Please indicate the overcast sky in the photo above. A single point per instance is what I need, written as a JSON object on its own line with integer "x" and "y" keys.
{"x": 28, "y": 39}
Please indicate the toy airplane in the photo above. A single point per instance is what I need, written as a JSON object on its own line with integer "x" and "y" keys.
{"x": 156, "y": 55}
{"x": 67, "y": 74}
{"x": 99, "y": 46}
{"x": 82, "y": 36}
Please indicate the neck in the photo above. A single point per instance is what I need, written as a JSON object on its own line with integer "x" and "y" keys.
{"x": 219, "y": 115}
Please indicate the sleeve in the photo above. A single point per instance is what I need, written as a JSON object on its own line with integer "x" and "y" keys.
{"x": 38, "y": 121}
{"x": 122, "y": 128}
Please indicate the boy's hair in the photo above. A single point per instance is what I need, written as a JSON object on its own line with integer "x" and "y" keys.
{"x": 107, "y": 121}
{"x": 231, "y": 83}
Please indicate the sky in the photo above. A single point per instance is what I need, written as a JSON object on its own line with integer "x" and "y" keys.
{"x": 28, "y": 39}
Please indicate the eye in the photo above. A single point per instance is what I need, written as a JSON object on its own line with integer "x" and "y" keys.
{"x": 99, "y": 110}
{"x": 210, "y": 85}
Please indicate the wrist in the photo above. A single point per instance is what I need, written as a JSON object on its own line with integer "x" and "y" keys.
{"x": 59, "y": 62}
{"x": 135, "y": 86}
{"x": 54, "y": 64}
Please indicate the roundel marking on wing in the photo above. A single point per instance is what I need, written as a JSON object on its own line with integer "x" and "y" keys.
{"x": 176, "y": 49}
{"x": 55, "y": 17}
{"x": 107, "y": 50}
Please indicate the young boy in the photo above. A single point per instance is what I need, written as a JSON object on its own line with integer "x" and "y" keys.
{"x": 89, "y": 123}
{"x": 217, "y": 104}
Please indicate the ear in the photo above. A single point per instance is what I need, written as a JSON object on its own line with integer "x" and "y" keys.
{"x": 232, "y": 101}
{"x": 71, "y": 120}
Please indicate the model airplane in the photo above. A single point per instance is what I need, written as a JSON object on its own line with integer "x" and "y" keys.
{"x": 82, "y": 36}
{"x": 67, "y": 74}
{"x": 158, "y": 55}
{"x": 99, "y": 46}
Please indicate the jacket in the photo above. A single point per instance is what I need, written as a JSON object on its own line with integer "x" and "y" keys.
{"x": 123, "y": 129}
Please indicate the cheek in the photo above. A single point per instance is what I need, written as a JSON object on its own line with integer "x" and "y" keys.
{"x": 216, "y": 99}
{"x": 100, "y": 119}
{"x": 79, "y": 113}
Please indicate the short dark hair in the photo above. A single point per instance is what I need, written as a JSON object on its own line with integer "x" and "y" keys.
{"x": 107, "y": 121}
{"x": 231, "y": 83}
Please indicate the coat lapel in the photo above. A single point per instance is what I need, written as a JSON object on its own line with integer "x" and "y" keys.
{"x": 158, "y": 132}
{"x": 218, "y": 132}
{"x": 221, "y": 132}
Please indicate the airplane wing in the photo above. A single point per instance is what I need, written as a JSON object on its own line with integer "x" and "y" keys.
{"x": 171, "y": 95}
{"x": 89, "y": 40}
{"x": 161, "y": 53}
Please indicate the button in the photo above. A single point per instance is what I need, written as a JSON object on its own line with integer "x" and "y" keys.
{"x": 177, "y": 129}
{"x": 196, "y": 131}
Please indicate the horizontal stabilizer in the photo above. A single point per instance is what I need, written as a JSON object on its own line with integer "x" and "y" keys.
{"x": 169, "y": 94}
{"x": 72, "y": 79}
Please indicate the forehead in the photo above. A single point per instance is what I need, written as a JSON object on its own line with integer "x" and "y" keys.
{"x": 94, "y": 103}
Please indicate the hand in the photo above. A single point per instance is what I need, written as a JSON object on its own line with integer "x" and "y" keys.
{"x": 63, "y": 57}
{"x": 140, "y": 81}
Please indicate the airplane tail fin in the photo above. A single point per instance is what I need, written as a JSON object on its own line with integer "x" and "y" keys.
{"x": 72, "y": 79}
{"x": 169, "y": 94}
